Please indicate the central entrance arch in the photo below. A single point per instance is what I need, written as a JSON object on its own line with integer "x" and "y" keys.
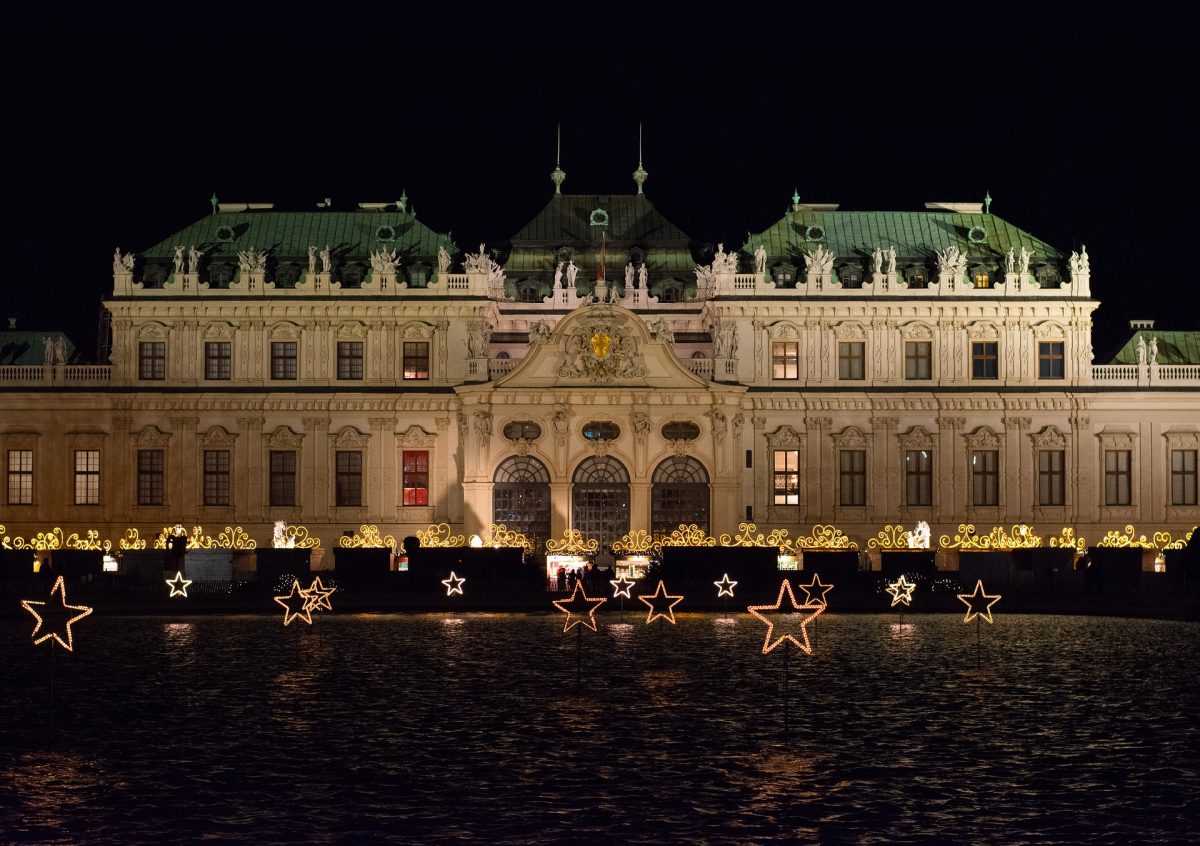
{"x": 600, "y": 500}
{"x": 521, "y": 497}
{"x": 679, "y": 496}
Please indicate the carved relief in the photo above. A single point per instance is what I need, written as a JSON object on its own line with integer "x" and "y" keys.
{"x": 284, "y": 331}
{"x": 916, "y": 437}
{"x": 417, "y": 330}
{"x": 350, "y": 438}
{"x": 153, "y": 331}
{"x": 1049, "y": 438}
{"x": 851, "y": 437}
{"x": 284, "y": 438}
{"x": 415, "y": 436}
{"x": 1116, "y": 440}
{"x": 602, "y": 352}
{"x": 152, "y": 436}
{"x": 217, "y": 437}
{"x": 785, "y": 437}
{"x": 219, "y": 330}
{"x": 352, "y": 329}
{"x": 916, "y": 331}
{"x": 1187, "y": 439}
{"x": 982, "y": 438}
{"x": 849, "y": 330}
{"x": 982, "y": 330}
{"x": 784, "y": 331}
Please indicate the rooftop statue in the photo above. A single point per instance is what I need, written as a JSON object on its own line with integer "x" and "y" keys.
{"x": 122, "y": 263}
{"x": 629, "y": 275}
{"x": 1085, "y": 265}
{"x": 572, "y": 272}
{"x": 1024, "y": 260}
{"x": 385, "y": 261}
{"x": 891, "y": 261}
{"x": 952, "y": 261}
{"x": 662, "y": 330}
{"x": 312, "y": 259}
{"x": 820, "y": 261}
{"x": 47, "y": 350}
{"x": 326, "y": 259}
{"x": 193, "y": 260}
{"x": 178, "y": 259}
{"x": 443, "y": 259}
{"x": 724, "y": 262}
{"x": 558, "y": 271}
{"x": 1078, "y": 262}
{"x": 1141, "y": 349}
{"x": 1010, "y": 263}
{"x": 877, "y": 261}
{"x": 643, "y": 276}
{"x": 760, "y": 259}
{"x": 1153, "y": 348}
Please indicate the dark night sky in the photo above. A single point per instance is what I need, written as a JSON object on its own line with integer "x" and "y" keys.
{"x": 1076, "y": 119}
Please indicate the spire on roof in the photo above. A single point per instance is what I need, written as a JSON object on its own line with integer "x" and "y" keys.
{"x": 402, "y": 203}
{"x": 557, "y": 176}
{"x": 987, "y": 202}
{"x": 795, "y": 200}
{"x": 639, "y": 175}
{"x": 213, "y": 200}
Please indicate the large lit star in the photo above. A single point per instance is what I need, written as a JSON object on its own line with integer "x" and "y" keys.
{"x": 814, "y": 591}
{"x": 318, "y": 596}
{"x": 295, "y": 604}
{"x": 580, "y": 609}
{"x": 901, "y": 591}
{"x": 661, "y": 604}
{"x": 979, "y": 604}
{"x": 621, "y": 586}
{"x": 178, "y": 585}
{"x": 725, "y": 586}
{"x": 57, "y": 617}
{"x": 777, "y": 615}
{"x": 454, "y": 584}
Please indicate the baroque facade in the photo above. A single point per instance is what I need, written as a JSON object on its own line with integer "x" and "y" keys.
{"x": 600, "y": 370}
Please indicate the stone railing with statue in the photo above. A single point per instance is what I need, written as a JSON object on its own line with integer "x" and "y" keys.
{"x": 55, "y": 374}
{"x": 1147, "y": 372}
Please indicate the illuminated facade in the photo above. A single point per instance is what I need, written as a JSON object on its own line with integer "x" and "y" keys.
{"x": 602, "y": 371}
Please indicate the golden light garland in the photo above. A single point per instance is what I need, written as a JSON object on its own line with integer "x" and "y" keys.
{"x": 815, "y": 589}
{"x": 580, "y": 609}
{"x": 89, "y": 541}
{"x": 725, "y": 586}
{"x": 688, "y": 535}
{"x": 1067, "y": 540}
{"x": 621, "y": 586}
{"x": 1021, "y": 536}
{"x": 297, "y": 537}
{"x": 232, "y": 537}
{"x": 747, "y": 536}
{"x": 661, "y": 604}
{"x": 178, "y": 585}
{"x": 368, "y": 537}
{"x": 454, "y": 584}
{"x": 979, "y": 604}
{"x": 500, "y": 536}
{"x": 890, "y": 537}
{"x": 440, "y": 535}
{"x": 901, "y": 591}
{"x": 318, "y": 595}
{"x": 573, "y": 543}
{"x": 825, "y": 537}
{"x": 1124, "y": 540}
{"x": 59, "y": 613}
{"x": 295, "y": 604}
{"x": 1170, "y": 544}
{"x": 636, "y": 542}
{"x": 132, "y": 540}
{"x": 778, "y": 612}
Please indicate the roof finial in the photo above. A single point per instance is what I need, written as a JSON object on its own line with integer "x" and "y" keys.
{"x": 213, "y": 200}
{"x": 795, "y": 200}
{"x": 557, "y": 176}
{"x": 987, "y": 202}
{"x": 639, "y": 175}
{"x": 403, "y": 201}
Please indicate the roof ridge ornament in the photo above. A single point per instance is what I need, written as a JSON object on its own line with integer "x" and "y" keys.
{"x": 640, "y": 175}
{"x": 558, "y": 176}
{"x": 987, "y": 202}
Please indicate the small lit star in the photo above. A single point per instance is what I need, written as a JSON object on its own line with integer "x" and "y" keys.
{"x": 725, "y": 586}
{"x": 318, "y": 596}
{"x": 979, "y": 604}
{"x": 453, "y": 584}
{"x": 661, "y": 604}
{"x": 178, "y": 585}
{"x": 580, "y": 609}
{"x": 777, "y": 615}
{"x": 901, "y": 591}
{"x": 814, "y": 591}
{"x": 621, "y": 586}
{"x": 295, "y": 604}
{"x": 56, "y": 616}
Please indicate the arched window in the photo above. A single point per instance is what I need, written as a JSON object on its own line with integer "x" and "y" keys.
{"x": 521, "y": 497}
{"x": 600, "y": 499}
{"x": 679, "y": 495}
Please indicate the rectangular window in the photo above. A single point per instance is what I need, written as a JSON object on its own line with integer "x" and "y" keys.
{"x": 150, "y": 464}
{"x": 216, "y": 477}
{"x": 918, "y": 360}
{"x": 1051, "y": 476}
{"x": 985, "y": 477}
{"x": 852, "y": 477}
{"x": 349, "y": 359}
{"x": 349, "y": 478}
{"x": 152, "y": 360}
{"x": 985, "y": 360}
{"x": 786, "y": 484}
{"x": 1050, "y": 360}
{"x": 1117, "y": 476}
{"x": 416, "y": 359}
{"x": 416, "y": 477}
{"x": 284, "y": 355}
{"x": 87, "y": 477}
{"x": 851, "y": 359}
{"x": 218, "y": 361}
{"x": 918, "y": 477}
{"x": 283, "y": 477}
{"x": 1183, "y": 476}
{"x": 785, "y": 359}
{"x": 21, "y": 477}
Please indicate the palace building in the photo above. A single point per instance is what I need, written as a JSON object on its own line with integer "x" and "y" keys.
{"x": 601, "y": 370}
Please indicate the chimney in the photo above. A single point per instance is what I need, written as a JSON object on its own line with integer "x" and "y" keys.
{"x": 1138, "y": 325}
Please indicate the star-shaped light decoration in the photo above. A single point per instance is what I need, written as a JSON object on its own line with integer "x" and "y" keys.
{"x": 295, "y": 604}
{"x": 178, "y": 585}
{"x": 814, "y": 591}
{"x": 661, "y": 604}
{"x": 56, "y": 617}
{"x": 318, "y": 596}
{"x": 785, "y": 618}
{"x": 979, "y": 604}
{"x": 725, "y": 586}
{"x": 580, "y": 609}
{"x": 901, "y": 591}
{"x": 621, "y": 586}
{"x": 454, "y": 584}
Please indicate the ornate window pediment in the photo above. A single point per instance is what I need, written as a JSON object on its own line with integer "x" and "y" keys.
{"x": 982, "y": 330}
{"x": 1116, "y": 439}
{"x": 285, "y": 330}
{"x": 1049, "y": 438}
{"x": 352, "y": 329}
{"x": 417, "y": 329}
{"x": 219, "y": 330}
{"x": 915, "y": 330}
{"x": 153, "y": 331}
{"x": 851, "y": 437}
{"x": 784, "y": 330}
{"x": 1182, "y": 439}
{"x": 415, "y": 436}
{"x": 982, "y": 438}
{"x": 284, "y": 438}
{"x": 350, "y": 438}
{"x": 152, "y": 436}
{"x": 849, "y": 330}
{"x": 917, "y": 437}
{"x": 785, "y": 437}
{"x": 217, "y": 436}
{"x": 1048, "y": 329}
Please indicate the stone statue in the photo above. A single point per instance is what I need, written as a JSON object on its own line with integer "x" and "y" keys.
{"x": 193, "y": 260}
{"x": 443, "y": 259}
{"x": 1153, "y": 348}
{"x": 60, "y": 350}
{"x": 724, "y": 262}
{"x": 877, "y": 261}
{"x": 312, "y": 259}
{"x": 280, "y": 539}
{"x": 643, "y": 277}
{"x": 891, "y": 261}
{"x": 560, "y": 421}
{"x": 918, "y": 538}
{"x": 558, "y": 271}
{"x": 641, "y": 424}
{"x": 629, "y": 275}
{"x": 245, "y": 261}
{"x": 1141, "y": 349}
{"x": 478, "y": 341}
{"x": 483, "y": 425}
{"x": 739, "y": 421}
{"x": 719, "y": 423}
{"x": 732, "y": 346}
{"x": 48, "y": 350}
{"x": 819, "y": 261}
{"x": 1010, "y": 262}
{"x": 178, "y": 259}
{"x": 118, "y": 264}
{"x": 662, "y": 330}
{"x": 1023, "y": 261}
{"x": 385, "y": 261}
{"x": 1085, "y": 264}
{"x": 539, "y": 332}
{"x": 572, "y": 272}
{"x": 760, "y": 259}
{"x": 326, "y": 259}
{"x": 952, "y": 261}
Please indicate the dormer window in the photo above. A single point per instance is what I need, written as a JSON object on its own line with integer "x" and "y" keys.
{"x": 286, "y": 275}
{"x": 220, "y": 275}
{"x": 784, "y": 275}
{"x": 916, "y": 278}
{"x": 982, "y": 279}
{"x": 418, "y": 275}
{"x": 851, "y": 276}
{"x": 528, "y": 291}
{"x": 1048, "y": 277}
{"x": 352, "y": 276}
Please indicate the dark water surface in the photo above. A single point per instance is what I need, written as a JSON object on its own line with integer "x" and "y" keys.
{"x": 424, "y": 728}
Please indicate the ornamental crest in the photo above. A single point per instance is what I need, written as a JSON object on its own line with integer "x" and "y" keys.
{"x": 601, "y": 352}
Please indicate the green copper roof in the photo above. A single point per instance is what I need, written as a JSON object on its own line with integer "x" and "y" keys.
{"x": 915, "y": 235}
{"x": 289, "y": 234}
{"x": 565, "y": 220}
{"x": 1173, "y": 347}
